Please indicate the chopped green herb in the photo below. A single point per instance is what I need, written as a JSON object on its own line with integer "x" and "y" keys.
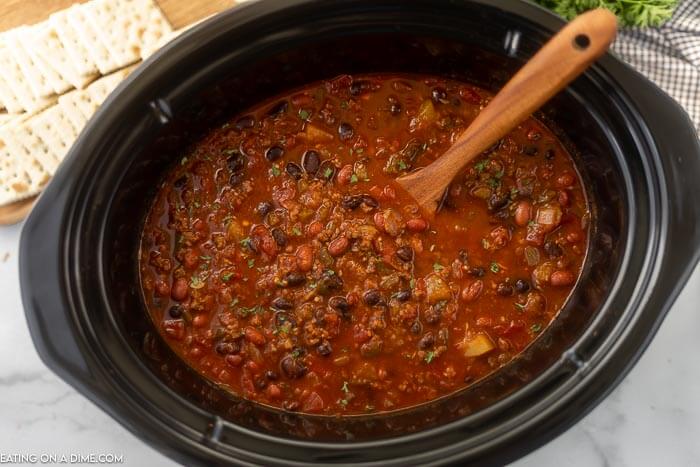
{"x": 296, "y": 353}
{"x": 276, "y": 171}
{"x": 359, "y": 150}
{"x": 495, "y": 268}
{"x": 438, "y": 267}
{"x": 514, "y": 193}
{"x": 247, "y": 243}
{"x": 296, "y": 231}
{"x": 328, "y": 172}
{"x": 253, "y": 310}
{"x": 344, "y": 104}
{"x": 537, "y": 327}
{"x": 196, "y": 282}
{"x": 480, "y": 166}
{"x": 520, "y": 306}
{"x": 353, "y": 178}
{"x": 429, "y": 356}
{"x": 494, "y": 183}
{"x": 499, "y": 174}
{"x": 205, "y": 257}
{"x": 304, "y": 114}
{"x": 402, "y": 165}
{"x": 531, "y": 223}
{"x": 412, "y": 283}
{"x": 226, "y": 276}
{"x": 345, "y": 388}
{"x": 251, "y": 263}
{"x": 343, "y": 402}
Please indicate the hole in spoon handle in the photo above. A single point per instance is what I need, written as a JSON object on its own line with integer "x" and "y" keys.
{"x": 582, "y": 41}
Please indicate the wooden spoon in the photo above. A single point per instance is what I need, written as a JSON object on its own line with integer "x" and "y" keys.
{"x": 561, "y": 60}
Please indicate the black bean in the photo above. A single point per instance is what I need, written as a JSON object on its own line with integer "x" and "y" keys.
{"x": 273, "y": 153}
{"x": 292, "y": 367}
{"x": 477, "y": 272}
{"x": 439, "y": 95}
{"x": 294, "y": 278}
{"x": 504, "y": 289}
{"x": 345, "y": 131}
{"x": 339, "y": 304}
{"x": 405, "y": 253}
{"x": 175, "y": 311}
{"x": 359, "y": 87}
{"x": 293, "y": 170}
{"x": 522, "y": 286}
{"x": 279, "y": 108}
{"x": 272, "y": 375}
{"x": 264, "y": 207}
{"x": 236, "y": 179}
{"x": 329, "y": 283}
{"x": 260, "y": 383}
{"x": 369, "y": 201}
{"x": 395, "y": 109}
{"x": 279, "y": 236}
{"x": 245, "y": 122}
{"x": 281, "y": 318}
{"x": 351, "y": 202}
{"x": 529, "y": 150}
{"x": 497, "y": 200}
{"x": 282, "y": 303}
{"x": 416, "y": 327}
{"x": 181, "y": 182}
{"x": 236, "y": 161}
{"x": 372, "y": 297}
{"x": 310, "y": 161}
{"x": 432, "y": 315}
{"x": 463, "y": 256}
{"x": 552, "y": 249}
{"x": 227, "y": 347}
{"x": 426, "y": 341}
{"x": 324, "y": 349}
{"x": 403, "y": 295}
{"x": 549, "y": 154}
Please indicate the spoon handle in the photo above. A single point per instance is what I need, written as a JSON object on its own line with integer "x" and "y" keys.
{"x": 555, "y": 65}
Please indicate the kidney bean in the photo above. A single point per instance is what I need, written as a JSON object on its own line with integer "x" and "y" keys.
{"x": 314, "y": 228}
{"x": 565, "y": 180}
{"x": 279, "y": 236}
{"x": 293, "y": 170}
{"x": 234, "y": 360}
{"x": 338, "y": 246}
{"x": 416, "y": 225}
{"x": 162, "y": 288}
{"x": 405, "y": 253}
{"x": 472, "y": 291}
{"x": 522, "y": 286}
{"x": 523, "y": 213}
{"x": 379, "y": 220}
{"x": 282, "y": 303}
{"x": 180, "y": 289}
{"x": 254, "y": 336}
{"x": 562, "y": 278}
{"x": 305, "y": 258}
{"x": 294, "y": 278}
{"x": 345, "y": 174}
{"x": 273, "y": 391}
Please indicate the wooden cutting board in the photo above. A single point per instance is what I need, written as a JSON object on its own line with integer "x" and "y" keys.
{"x": 15, "y": 13}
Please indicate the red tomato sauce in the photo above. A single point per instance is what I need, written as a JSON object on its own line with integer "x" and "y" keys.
{"x": 281, "y": 261}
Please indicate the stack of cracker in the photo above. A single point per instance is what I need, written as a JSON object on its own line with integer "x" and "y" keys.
{"x": 55, "y": 74}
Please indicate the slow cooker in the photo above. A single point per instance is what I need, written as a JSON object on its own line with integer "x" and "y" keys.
{"x": 637, "y": 151}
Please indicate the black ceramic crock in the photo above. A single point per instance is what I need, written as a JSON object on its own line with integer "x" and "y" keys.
{"x": 635, "y": 148}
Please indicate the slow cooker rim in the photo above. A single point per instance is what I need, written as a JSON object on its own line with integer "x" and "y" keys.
{"x": 276, "y": 439}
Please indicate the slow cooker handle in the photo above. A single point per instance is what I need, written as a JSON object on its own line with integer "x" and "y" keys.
{"x": 678, "y": 147}
{"x": 45, "y": 299}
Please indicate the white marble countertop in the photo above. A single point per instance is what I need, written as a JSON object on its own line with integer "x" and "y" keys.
{"x": 651, "y": 419}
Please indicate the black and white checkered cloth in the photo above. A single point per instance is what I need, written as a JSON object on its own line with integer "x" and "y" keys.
{"x": 669, "y": 55}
